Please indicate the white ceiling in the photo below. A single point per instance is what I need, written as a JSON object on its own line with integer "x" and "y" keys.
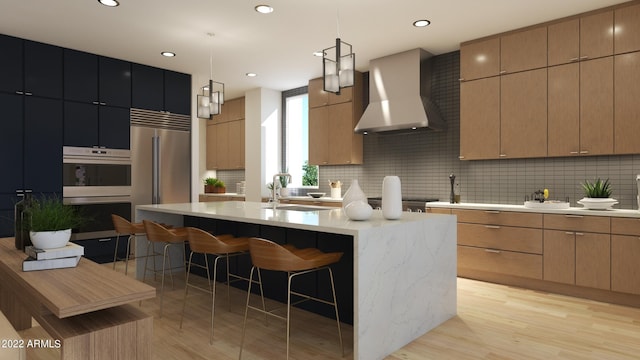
{"x": 278, "y": 46}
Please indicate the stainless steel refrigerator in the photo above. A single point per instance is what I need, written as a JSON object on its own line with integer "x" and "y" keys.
{"x": 160, "y": 158}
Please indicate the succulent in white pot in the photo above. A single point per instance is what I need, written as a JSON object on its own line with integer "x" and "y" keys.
{"x": 597, "y": 195}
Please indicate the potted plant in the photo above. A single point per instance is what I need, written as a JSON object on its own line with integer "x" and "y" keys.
{"x": 51, "y": 222}
{"x": 597, "y": 195}
{"x": 213, "y": 185}
{"x": 284, "y": 192}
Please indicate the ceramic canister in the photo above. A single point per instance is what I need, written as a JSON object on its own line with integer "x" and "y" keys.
{"x": 391, "y": 198}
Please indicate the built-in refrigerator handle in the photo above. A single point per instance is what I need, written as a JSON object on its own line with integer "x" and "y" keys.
{"x": 155, "y": 168}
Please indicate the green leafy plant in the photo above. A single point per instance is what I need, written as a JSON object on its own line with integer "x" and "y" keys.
{"x": 597, "y": 189}
{"x": 284, "y": 181}
{"x": 213, "y": 182}
{"x": 310, "y": 175}
{"x": 50, "y": 214}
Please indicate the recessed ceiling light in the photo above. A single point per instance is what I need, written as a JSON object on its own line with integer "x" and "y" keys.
{"x": 250, "y": 74}
{"x": 264, "y": 9}
{"x": 318, "y": 53}
{"x": 110, "y": 3}
{"x": 168, "y": 54}
{"x": 421, "y": 23}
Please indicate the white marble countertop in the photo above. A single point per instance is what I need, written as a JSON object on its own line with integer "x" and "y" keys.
{"x": 223, "y": 194}
{"x": 325, "y": 219}
{"x": 520, "y": 208}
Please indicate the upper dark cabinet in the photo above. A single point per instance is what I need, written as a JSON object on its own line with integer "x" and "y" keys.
{"x": 42, "y": 70}
{"x": 11, "y": 69}
{"x": 177, "y": 92}
{"x": 114, "y": 82}
{"x": 147, "y": 85}
{"x": 11, "y": 134}
{"x": 80, "y": 76}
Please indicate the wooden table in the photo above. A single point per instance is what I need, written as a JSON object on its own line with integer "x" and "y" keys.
{"x": 85, "y": 308}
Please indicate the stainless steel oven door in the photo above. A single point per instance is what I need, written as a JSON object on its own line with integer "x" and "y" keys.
{"x": 91, "y": 172}
{"x": 98, "y": 211}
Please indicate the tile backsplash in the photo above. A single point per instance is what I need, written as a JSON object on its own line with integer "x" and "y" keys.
{"x": 423, "y": 161}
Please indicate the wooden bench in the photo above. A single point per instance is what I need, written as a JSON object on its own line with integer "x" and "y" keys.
{"x": 12, "y": 346}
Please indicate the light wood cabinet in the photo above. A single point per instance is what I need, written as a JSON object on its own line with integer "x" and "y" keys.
{"x": 480, "y": 59}
{"x": 523, "y": 50}
{"x": 523, "y": 114}
{"x": 626, "y": 104}
{"x": 496, "y": 217}
{"x": 627, "y": 29}
{"x": 319, "y": 97}
{"x": 596, "y": 224}
{"x": 593, "y": 260}
{"x": 311, "y": 201}
{"x": 226, "y": 139}
{"x": 563, "y": 42}
{"x": 625, "y": 251}
{"x": 596, "y": 106}
{"x": 563, "y": 110}
{"x": 332, "y": 140}
{"x": 596, "y": 35}
{"x": 528, "y": 240}
{"x": 480, "y": 119}
{"x": 559, "y": 256}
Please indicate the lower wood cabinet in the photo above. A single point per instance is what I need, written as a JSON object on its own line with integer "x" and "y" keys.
{"x": 593, "y": 260}
{"x": 499, "y": 261}
{"x": 625, "y": 251}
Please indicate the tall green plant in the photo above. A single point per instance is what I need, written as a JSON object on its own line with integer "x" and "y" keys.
{"x": 50, "y": 214}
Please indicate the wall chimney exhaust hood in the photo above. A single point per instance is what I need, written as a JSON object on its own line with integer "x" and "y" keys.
{"x": 399, "y": 95}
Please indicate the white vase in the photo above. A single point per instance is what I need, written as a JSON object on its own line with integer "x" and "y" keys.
{"x": 391, "y": 198}
{"x": 50, "y": 239}
{"x": 354, "y": 193}
{"x": 358, "y": 210}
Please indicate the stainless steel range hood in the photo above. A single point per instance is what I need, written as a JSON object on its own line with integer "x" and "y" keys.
{"x": 399, "y": 95}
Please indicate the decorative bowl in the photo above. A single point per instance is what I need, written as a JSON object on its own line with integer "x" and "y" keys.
{"x": 316, "y": 195}
{"x": 597, "y": 203}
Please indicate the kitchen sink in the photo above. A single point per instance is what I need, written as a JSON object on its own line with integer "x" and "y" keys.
{"x": 550, "y": 204}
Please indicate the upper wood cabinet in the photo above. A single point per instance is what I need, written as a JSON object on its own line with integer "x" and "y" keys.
{"x": 563, "y": 110}
{"x": 626, "y": 104}
{"x": 225, "y": 139}
{"x": 332, "y": 140}
{"x": 523, "y": 114}
{"x": 524, "y": 50}
{"x": 627, "y": 29}
{"x": 563, "y": 42}
{"x": 480, "y": 119}
{"x": 596, "y": 35}
{"x": 480, "y": 59}
{"x": 596, "y": 106}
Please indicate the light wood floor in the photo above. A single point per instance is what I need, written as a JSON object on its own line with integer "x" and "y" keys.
{"x": 493, "y": 322}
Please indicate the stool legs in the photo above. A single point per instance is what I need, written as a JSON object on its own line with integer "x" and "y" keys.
{"x": 165, "y": 259}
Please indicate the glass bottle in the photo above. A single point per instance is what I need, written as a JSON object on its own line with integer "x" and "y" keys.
{"x": 22, "y": 219}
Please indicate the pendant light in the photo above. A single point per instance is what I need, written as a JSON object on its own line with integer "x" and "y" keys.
{"x": 338, "y": 65}
{"x": 212, "y": 98}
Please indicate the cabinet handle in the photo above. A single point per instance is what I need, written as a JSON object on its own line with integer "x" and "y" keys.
{"x": 461, "y": 79}
{"x": 492, "y": 211}
{"x": 502, "y": 155}
{"x": 461, "y": 157}
{"x": 503, "y": 72}
{"x": 492, "y": 227}
{"x": 104, "y": 240}
{"x": 584, "y": 57}
{"x": 20, "y": 92}
{"x": 493, "y": 251}
{"x": 103, "y": 103}
{"x": 574, "y": 59}
{"x": 568, "y": 232}
{"x": 574, "y": 216}
{"x": 580, "y": 234}
{"x": 28, "y": 93}
{"x": 95, "y": 103}
{"x": 573, "y": 152}
{"x": 584, "y": 151}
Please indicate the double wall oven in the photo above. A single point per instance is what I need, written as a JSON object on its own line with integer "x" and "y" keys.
{"x": 98, "y": 182}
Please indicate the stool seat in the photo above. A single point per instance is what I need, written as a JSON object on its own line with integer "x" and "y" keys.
{"x": 267, "y": 255}
{"x": 125, "y": 227}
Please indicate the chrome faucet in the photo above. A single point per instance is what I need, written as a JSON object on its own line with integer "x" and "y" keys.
{"x": 274, "y": 188}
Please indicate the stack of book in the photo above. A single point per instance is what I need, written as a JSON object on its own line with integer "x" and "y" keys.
{"x": 64, "y": 257}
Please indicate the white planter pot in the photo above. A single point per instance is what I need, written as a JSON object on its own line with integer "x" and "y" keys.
{"x": 597, "y": 203}
{"x": 50, "y": 239}
{"x": 284, "y": 192}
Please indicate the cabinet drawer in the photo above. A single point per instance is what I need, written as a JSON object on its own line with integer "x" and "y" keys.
{"x": 496, "y": 217}
{"x": 503, "y": 262}
{"x": 597, "y": 224}
{"x": 101, "y": 250}
{"x": 501, "y": 237}
{"x": 625, "y": 226}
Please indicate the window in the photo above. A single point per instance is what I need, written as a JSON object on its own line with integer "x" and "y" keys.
{"x": 296, "y": 139}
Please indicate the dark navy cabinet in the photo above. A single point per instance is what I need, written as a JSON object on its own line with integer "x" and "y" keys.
{"x": 160, "y": 90}
{"x": 11, "y": 64}
{"x": 80, "y": 76}
{"x": 42, "y": 70}
{"x": 114, "y": 82}
{"x": 91, "y": 125}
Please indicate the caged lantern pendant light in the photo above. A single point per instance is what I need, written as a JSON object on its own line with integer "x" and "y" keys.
{"x": 212, "y": 98}
{"x": 338, "y": 64}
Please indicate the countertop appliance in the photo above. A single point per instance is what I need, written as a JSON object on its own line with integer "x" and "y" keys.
{"x": 160, "y": 157}
{"x": 408, "y": 204}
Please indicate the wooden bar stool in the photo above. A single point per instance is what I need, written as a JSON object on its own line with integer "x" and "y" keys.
{"x": 221, "y": 246}
{"x": 125, "y": 227}
{"x": 157, "y": 233}
{"x": 267, "y": 255}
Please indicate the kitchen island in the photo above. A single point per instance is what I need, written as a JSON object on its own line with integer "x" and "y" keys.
{"x": 403, "y": 271}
